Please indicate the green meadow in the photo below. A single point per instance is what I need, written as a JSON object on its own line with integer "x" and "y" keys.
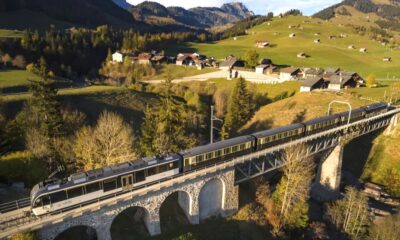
{"x": 328, "y": 53}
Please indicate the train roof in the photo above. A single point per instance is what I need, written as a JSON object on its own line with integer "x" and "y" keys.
{"x": 101, "y": 173}
{"x": 375, "y": 106}
{"x": 321, "y": 119}
{"x": 216, "y": 146}
{"x": 274, "y": 131}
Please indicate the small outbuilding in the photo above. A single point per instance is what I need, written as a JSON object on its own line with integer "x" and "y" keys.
{"x": 363, "y": 50}
{"x": 387, "y": 59}
{"x": 118, "y": 57}
{"x": 262, "y": 44}
{"x": 312, "y": 83}
{"x": 302, "y": 55}
{"x": 292, "y": 35}
{"x": 351, "y": 47}
{"x": 338, "y": 82}
{"x": 317, "y": 41}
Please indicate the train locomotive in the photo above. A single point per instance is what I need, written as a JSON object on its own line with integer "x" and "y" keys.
{"x": 56, "y": 195}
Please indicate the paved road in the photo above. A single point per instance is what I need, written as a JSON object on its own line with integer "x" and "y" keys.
{"x": 249, "y": 76}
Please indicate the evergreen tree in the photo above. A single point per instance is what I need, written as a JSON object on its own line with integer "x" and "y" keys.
{"x": 240, "y": 108}
{"x": 148, "y": 132}
{"x": 45, "y": 103}
{"x": 171, "y": 123}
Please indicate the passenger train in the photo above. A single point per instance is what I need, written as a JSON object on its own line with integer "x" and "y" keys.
{"x": 52, "y": 196}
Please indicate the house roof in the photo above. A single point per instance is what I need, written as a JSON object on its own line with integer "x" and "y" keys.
{"x": 310, "y": 82}
{"x": 332, "y": 70}
{"x": 182, "y": 58}
{"x": 158, "y": 58}
{"x": 337, "y": 79}
{"x": 314, "y": 71}
{"x": 263, "y": 66}
{"x": 145, "y": 56}
{"x": 290, "y": 70}
{"x": 229, "y": 62}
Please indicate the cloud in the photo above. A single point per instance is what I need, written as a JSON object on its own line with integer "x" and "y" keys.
{"x": 308, "y": 7}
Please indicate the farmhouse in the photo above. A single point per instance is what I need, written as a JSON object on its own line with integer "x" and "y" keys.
{"x": 337, "y": 82}
{"x": 302, "y": 55}
{"x": 363, "y": 50}
{"x": 231, "y": 62}
{"x": 261, "y": 68}
{"x": 144, "y": 58}
{"x": 118, "y": 57}
{"x": 387, "y": 59}
{"x": 332, "y": 70}
{"x": 262, "y": 44}
{"x": 312, "y": 72}
{"x": 158, "y": 59}
{"x": 312, "y": 83}
{"x": 183, "y": 60}
{"x": 287, "y": 74}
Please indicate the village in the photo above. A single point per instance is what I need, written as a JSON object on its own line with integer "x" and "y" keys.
{"x": 266, "y": 72}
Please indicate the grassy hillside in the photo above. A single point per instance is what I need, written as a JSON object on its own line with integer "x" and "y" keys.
{"x": 298, "y": 108}
{"x": 12, "y": 78}
{"x": 329, "y": 53}
{"x": 4, "y": 33}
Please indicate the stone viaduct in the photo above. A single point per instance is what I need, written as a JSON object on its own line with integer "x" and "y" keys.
{"x": 200, "y": 197}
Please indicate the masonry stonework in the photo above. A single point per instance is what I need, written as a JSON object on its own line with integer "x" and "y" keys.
{"x": 188, "y": 190}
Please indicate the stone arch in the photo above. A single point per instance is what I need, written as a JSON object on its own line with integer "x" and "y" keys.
{"x": 78, "y": 232}
{"x": 175, "y": 211}
{"x": 212, "y": 198}
{"x": 133, "y": 221}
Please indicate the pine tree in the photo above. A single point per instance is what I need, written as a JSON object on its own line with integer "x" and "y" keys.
{"x": 148, "y": 132}
{"x": 171, "y": 124}
{"x": 45, "y": 103}
{"x": 240, "y": 108}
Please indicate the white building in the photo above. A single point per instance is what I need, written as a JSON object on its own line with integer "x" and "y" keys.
{"x": 118, "y": 57}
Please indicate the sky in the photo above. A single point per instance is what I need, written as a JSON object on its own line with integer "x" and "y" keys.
{"x": 308, "y": 7}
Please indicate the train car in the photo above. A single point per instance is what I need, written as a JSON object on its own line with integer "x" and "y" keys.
{"x": 272, "y": 137}
{"x": 321, "y": 124}
{"x": 217, "y": 152}
{"x": 376, "y": 109}
{"x": 80, "y": 188}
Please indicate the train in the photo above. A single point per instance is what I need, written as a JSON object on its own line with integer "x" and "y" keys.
{"x": 56, "y": 195}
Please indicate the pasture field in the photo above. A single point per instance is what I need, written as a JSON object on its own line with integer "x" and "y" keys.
{"x": 329, "y": 53}
{"x": 12, "y": 78}
{"x": 5, "y": 33}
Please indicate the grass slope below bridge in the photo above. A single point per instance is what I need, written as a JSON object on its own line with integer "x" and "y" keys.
{"x": 284, "y": 50}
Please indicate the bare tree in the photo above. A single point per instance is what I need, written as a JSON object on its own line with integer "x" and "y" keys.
{"x": 386, "y": 229}
{"x": 350, "y": 214}
{"x": 292, "y": 192}
{"x": 221, "y": 97}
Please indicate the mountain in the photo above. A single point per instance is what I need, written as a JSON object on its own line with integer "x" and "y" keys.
{"x": 123, "y": 4}
{"x": 22, "y": 14}
{"x": 146, "y": 16}
{"x": 199, "y": 17}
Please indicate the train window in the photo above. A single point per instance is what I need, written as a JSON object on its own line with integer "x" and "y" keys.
{"x": 242, "y": 147}
{"x": 218, "y": 153}
{"x": 140, "y": 176}
{"x": 187, "y": 161}
{"x": 109, "y": 184}
{"x": 74, "y": 192}
{"x": 152, "y": 171}
{"x": 37, "y": 203}
{"x": 209, "y": 155}
{"x": 172, "y": 165}
{"x": 199, "y": 158}
{"x": 234, "y": 149}
{"x": 163, "y": 168}
{"x": 46, "y": 200}
{"x": 227, "y": 151}
{"x": 93, "y": 187}
{"x": 58, "y": 196}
